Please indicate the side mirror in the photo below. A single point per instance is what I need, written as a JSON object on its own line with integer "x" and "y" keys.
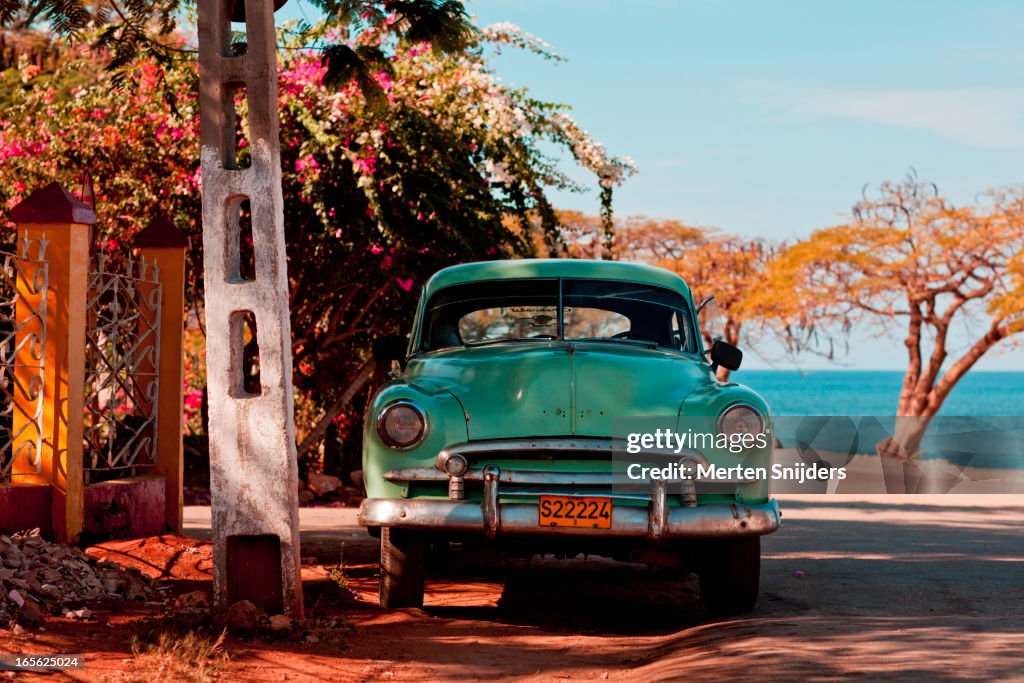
{"x": 725, "y": 354}
{"x": 389, "y": 348}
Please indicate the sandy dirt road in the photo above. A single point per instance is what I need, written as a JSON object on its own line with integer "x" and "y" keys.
{"x": 880, "y": 587}
{"x": 875, "y": 587}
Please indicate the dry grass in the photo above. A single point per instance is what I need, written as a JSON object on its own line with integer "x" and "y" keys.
{"x": 191, "y": 658}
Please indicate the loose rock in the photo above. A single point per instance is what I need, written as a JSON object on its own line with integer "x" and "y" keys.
{"x": 194, "y": 600}
{"x": 30, "y": 615}
{"x": 77, "y": 614}
{"x": 280, "y": 622}
{"x": 243, "y": 617}
{"x": 322, "y": 484}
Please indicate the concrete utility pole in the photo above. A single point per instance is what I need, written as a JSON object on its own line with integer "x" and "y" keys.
{"x": 253, "y": 466}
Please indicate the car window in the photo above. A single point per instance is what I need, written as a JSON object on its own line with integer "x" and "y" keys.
{"x": 627, "y": 311}
{"x": 508, "y": 322}
{"x": 583, "y": 323}
{"x": 598, "y": 310}
{"x": 492, "y": 311}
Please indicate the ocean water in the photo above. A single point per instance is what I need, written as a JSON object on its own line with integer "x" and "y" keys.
{"x": 876, "y": 392}
{"x": 981, "y": 423}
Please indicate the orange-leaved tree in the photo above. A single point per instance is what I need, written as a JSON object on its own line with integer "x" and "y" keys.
{"x": 949, "y": 280}
{"x": 728, "y": 267}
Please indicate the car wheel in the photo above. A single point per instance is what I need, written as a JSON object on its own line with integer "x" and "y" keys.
{"x": 401, "y": 568}
{"x": 730, "y": 572}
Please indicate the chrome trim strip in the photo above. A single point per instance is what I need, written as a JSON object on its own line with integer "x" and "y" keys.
{"x": 561, "y": 444}
{"x": 600, "y": 493}
{"x": 534, "y": 477}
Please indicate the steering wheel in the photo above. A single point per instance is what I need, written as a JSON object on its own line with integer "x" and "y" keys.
{"x": 639, "y": 336}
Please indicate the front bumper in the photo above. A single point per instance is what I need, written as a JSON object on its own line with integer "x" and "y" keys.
{"x": 494, "y": 516}
{"x": 702, "y": 521}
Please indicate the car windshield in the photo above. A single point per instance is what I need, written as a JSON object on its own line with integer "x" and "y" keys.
{"x": 497, "y": 311}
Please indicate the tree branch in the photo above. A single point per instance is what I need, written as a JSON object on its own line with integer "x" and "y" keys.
{"x": 320, "y": 428}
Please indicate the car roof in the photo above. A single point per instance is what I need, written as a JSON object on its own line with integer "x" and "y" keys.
{"x": 584, "y": 269}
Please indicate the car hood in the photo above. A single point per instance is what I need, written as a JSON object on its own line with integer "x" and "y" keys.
{"x": 559, "y": 388}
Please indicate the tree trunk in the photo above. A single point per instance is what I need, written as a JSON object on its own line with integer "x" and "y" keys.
{"x": 905, "y": 443}
{"x": 900, "y": 454}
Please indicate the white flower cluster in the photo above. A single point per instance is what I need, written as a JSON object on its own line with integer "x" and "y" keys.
{"x": 498, "y": 172}
{"x": 592, "y": 155}
{"x": 511, "y": 34}
{"x": 469, "y": 93}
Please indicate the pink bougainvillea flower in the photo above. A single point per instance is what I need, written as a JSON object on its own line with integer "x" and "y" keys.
{"x": 304, "y": 162}
{"x": 194, "y": 399}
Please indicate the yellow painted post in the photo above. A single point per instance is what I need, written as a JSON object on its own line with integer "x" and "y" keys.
{"x": 163, "y": 245}
{"x": 65, "y": 222}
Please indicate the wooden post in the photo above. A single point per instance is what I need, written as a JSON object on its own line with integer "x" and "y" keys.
{"x": 163, "y": 245}
{"x": 55, "y": 215}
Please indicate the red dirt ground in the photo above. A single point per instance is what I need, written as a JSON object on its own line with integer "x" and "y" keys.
{"x": 878, "y": 587}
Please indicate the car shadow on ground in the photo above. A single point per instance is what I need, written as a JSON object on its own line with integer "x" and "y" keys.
{"x": 885, "y": 600}
{"x": 591, "y": 595}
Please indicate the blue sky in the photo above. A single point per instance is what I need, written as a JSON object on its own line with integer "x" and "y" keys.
{"x": 768, "y": 118}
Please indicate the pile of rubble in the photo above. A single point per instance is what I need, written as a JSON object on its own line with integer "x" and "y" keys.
{"x": 325, "y": 490}
{"x": 317, "y": 490}
{"x": 38, "y": 577}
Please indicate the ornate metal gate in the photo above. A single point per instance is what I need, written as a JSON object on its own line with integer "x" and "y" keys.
{"x": 122, "y": 379}
{"x": 22, "y": 344}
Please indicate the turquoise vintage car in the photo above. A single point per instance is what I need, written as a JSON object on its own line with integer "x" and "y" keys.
{"x": 506, "y": 426}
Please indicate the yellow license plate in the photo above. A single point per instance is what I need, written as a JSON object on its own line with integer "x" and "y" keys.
{"x": 592, "y": 512}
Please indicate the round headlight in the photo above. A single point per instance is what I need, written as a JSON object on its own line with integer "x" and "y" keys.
{"x": 402, "y": 424}
{"x": 740, "y": 419}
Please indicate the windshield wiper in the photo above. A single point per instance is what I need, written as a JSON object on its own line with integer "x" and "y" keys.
{"x": 634, "y": 342}
{"x": 546, "y": 337}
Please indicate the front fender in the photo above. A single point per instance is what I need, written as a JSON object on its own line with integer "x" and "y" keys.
{"x": 700, "y": 410}
{"x": 446, "y": 424}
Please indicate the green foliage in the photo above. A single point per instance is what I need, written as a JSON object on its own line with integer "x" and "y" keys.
{"x": 125, "y": 30}
{"x": 444, "y": 166}
{"x": 122, "y": 30}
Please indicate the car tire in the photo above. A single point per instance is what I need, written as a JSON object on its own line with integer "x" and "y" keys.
{"x": 401, "y": 568}
{"x": 729, "y": 570}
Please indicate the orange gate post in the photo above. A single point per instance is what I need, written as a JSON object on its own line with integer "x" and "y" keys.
{"x": 55, "y": 215}
{"x": 163, "y": 245}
